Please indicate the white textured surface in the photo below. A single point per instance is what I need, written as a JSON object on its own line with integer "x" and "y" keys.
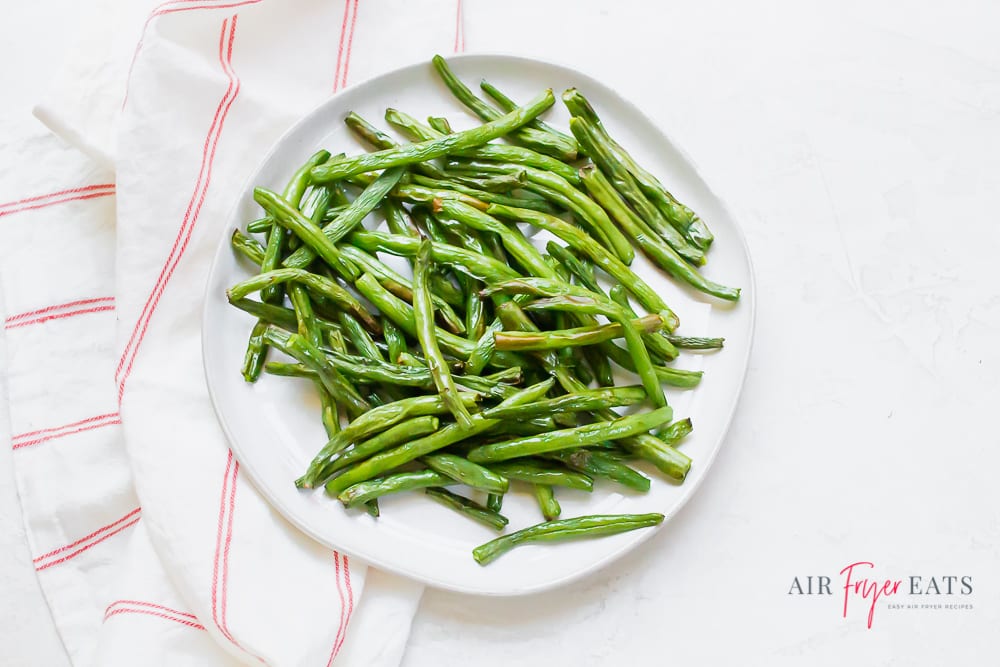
{"x": 858, "y": 144}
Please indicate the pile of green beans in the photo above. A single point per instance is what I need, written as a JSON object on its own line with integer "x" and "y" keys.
{"x": 492, "y": 365}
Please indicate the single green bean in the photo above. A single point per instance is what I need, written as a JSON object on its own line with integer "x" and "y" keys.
{"x": 696, "y": 343}
{"x": 466, "y": 472}
{"x": 394, "y": 338}
{"x": 279, "y": 315}
{"x": 307, "y": 325}
{"x": 547, "y": 502}
{"x": 587, "y": 400}
{"x": 565, "y": 529}
{"x": 557, "y": 339}
{"x": 498, "y": 183}
{"x": 671, "y": 462}
{"x": 598, "y": 464}
{"x": 600, "y": 365}
{"x": 675, "y": 377}
{"x": 440, "y": 124}
{"x": 580, "y": 436}
{"x": 329, "y": 413}
{"x": 248, "y": 247}
{"x": 423, "y": 313}
{"x": 405, "y": 481}
{"x": 676, "y": 432}
{"x": 541, "y": 473}
{"x": 494, "y": 501}
{"x": 256, "y": 354}
{"x": 469, "y": 508}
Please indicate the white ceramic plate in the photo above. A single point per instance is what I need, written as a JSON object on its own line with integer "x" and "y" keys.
{"x": 274, "y": 427}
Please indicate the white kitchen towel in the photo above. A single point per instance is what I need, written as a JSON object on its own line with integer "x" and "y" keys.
{"x": 206, "y": 88}
{"x": 70, "y": 466}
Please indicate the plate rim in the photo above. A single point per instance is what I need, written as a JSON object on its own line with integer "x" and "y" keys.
{"x": 642, "y": 536}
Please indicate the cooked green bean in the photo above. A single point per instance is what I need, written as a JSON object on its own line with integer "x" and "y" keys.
{"x": 352, "y": 216}
{"x": 587, "y": 400}
{"x": 308, "y": 231}
{"x": 305, "y": 317}
{"x": 336, "y": 170}
{"x": 538, "y": 473}
{"x": 423, "y": 313}
{"x": 599, "y": 464}
{"x": 391, "y": 437}
{"x": 585, "y": 208}
{"x": 301, "y": 349}
{"x": 625, "y": 185}
{"x": 562, "y": 296}
{"x": 441, "y": 124}
{"x": 329, "y": 413}
{"x": 469, "y": 508}
{"x": 547, "y": 502}
{"x": 315, "y": 283}
{"x": 248, "y": 247}
{"x": 401, "y": 286}
{"x": 543, "y": 142}
{"x": 473, "y": 264}
{"x": 362, "y": 492}
{"x": 661, "y": 253}
{"x": 253, "y": 360}
{"x": 494, "y": 501}
{"x": 425, "y": 190}
{"x": 389, "y": 460}
{"x": 468, "y": 473}
{"x": 564, "y": 338}
{"x": 676, "y": 432}
{"x": 682, "y": 217}
{"x": 579, "y": 241}
{"x": 580, "y": 436}
{"x": 675, "y": 377}
{"x": 374, "y": 421}
{"x": 279, "y": 315}
{"x": 507, "y": 104}
{"x": 565, "y": 529}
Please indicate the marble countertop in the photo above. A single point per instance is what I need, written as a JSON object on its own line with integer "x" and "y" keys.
{"x": 859, "y": 146}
